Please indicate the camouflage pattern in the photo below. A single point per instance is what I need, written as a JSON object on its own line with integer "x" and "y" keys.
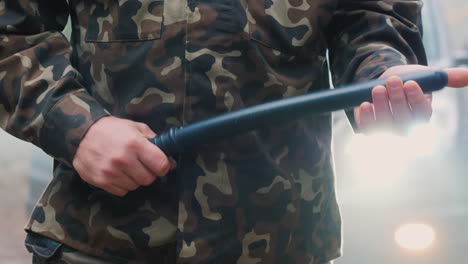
{"x": 262, "y": 197}
{"x": 53, "y": 252}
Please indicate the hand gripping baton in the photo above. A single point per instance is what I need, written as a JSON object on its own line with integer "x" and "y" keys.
{"x": 178, "y": 139}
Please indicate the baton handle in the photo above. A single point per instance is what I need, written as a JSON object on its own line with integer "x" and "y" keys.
{"x": 167, "y": 142}
{"x": 178, "y": 139}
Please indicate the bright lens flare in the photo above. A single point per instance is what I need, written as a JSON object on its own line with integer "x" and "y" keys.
{"x": 379, "y": 159}
{"x": 415, "y": 236}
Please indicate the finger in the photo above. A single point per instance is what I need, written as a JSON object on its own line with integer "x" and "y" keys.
{"x": 420, "y": 106}
{"x": 366, "y": 117}
{"x": 399, "y": 104}
{"x": 126, "y": 182}
{"x": 116, "y": 190}
{"x": 113, "y": 176}
{"x": 128, "y": 171}
{"x": 140, "y": 174}
{"x": 153, "y": 159}
{"x": 457, "y": 77}
{"x": 383, "y": 113}
{"x": 173, "y": 163}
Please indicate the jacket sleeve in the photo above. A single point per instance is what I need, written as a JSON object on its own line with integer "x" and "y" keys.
{"x": 42, "y": 97}
{"x": 365, "y": 38}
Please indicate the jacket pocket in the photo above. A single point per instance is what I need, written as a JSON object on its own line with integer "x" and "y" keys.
{"x": 43, "y": 248}
{"x": 124, "y": 21}
{"x": 278, "y": 25}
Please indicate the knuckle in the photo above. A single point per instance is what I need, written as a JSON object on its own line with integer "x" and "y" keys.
{"x": 133, "y": 143}
{"x": 106, "y": 172}
{"x": 120, "y": 160}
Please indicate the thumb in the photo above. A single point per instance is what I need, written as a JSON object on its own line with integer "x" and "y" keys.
{"x": 457, "y": 77}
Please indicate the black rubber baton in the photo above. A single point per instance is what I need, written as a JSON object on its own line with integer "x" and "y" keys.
{"x": 178, "y": 139}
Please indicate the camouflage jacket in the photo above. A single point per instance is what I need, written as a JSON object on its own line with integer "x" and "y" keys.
{"x": 261, "y": 197}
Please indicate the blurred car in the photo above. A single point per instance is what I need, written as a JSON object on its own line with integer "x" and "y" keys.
{"x": 387, "y": 181}
{"x": 403, "y": 199}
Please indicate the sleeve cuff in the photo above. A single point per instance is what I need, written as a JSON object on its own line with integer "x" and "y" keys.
{"x": 66, "y": 124}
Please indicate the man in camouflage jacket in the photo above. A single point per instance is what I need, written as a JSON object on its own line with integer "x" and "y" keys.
{"x": 138, "y": 66}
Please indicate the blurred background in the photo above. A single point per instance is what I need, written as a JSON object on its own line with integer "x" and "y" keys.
{"x": 403, "y": 200}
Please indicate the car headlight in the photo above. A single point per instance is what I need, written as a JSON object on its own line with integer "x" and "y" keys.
{"x": 415, "y": 236}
